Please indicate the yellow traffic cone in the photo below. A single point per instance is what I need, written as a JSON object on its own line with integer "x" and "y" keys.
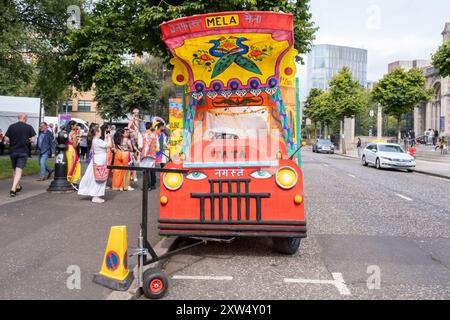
{"x": 114, "y": 273}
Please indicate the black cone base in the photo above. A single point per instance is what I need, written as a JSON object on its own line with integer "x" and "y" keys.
{"x": 114, "y": 284}
{"x": 60, "y": 185}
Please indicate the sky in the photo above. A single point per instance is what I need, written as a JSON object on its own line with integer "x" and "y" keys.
{"x": 390, "y": 30}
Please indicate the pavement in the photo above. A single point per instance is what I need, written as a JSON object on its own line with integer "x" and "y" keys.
{"x": 371, "y": 235}
{"x": 43, "y": 234}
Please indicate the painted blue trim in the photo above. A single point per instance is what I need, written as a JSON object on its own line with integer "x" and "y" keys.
{"x": 230, "y": 164}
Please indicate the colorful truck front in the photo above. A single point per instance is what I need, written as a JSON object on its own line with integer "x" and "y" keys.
{"x": 241, "y": 130}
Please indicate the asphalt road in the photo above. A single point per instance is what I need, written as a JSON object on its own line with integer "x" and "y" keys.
{"x": 362, "y": 223}
{"x": 42, "y": 234}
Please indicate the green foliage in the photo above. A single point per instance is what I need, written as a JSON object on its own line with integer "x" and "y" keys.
{"x": 117, "y": 27}
{"x": 441, "y": 59}
{"x": 400, "y": 91}
{"x": 346, "y": 94}
{"x": 140, "y": 90}
{"x": 32, "y": 38}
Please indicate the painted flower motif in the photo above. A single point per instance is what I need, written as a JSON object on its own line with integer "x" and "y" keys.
{"x": 203, "y": 58}
{"x": 258, "y": 54}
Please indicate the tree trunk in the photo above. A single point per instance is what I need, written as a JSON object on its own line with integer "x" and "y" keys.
{"x": 343, "y": 146}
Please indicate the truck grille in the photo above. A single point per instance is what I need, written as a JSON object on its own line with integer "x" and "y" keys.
{"x": 238, "y": 192}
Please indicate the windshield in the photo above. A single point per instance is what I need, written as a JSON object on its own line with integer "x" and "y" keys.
{"x": 236, "y": 134}
{"x": 324, "y": 142}
{"x": 390, "y": 148}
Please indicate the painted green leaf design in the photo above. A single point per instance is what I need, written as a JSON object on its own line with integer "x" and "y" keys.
{"x": 247, "y": 64}
{"x": 223, "y": 64}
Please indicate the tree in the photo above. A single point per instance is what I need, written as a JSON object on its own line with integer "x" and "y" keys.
{"x": 441, "y": 59}
{"x": 347, "y": 98}
{"x": 141, "y": 90}
{"x": 400, "y": 91}
{"x": 32, "y": 39}
{"x": 319, "y": 108}
{"x": 117, "y": 27}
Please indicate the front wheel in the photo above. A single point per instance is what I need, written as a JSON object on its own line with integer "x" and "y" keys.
{"x": 378, "y": 164}
{"x": 286, "y": 245}
{"x": 155, "y": 284}
{"x": 364, "y": 161}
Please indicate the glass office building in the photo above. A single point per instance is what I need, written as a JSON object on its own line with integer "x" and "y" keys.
{"x": 324, "y": 61}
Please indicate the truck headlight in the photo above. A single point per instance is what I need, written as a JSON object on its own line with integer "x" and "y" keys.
{"x": 172, "y": 180}
{"x": 286, "y": 178}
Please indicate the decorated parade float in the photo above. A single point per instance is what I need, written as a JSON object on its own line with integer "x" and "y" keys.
{"x": 241, "y": 132}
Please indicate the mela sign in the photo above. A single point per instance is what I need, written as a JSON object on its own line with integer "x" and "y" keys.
{"x": 222, "y": 21}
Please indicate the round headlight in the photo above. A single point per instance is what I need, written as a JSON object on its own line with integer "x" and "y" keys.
{"x": 286, "y": 177}
{"x": 173, "y": 181}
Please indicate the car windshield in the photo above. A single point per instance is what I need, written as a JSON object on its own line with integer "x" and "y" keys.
{"x": 390, "y": 148}
{"x": 324, "y": 142}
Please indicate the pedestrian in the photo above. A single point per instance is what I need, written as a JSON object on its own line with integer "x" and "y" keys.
{"x": 426, "y": 136}
{"x": 148, "y": 152}
{"x": 88, "y": 185}
{"x": 113, "y": 130}
{"x": 19, "y": 135}
{"x": 166, "y": 147}
{"x": 2, "y": 143}
{"x": 412, "y": 135}
{"x": 159, "y": 127}
{"x": 436, "y": 137}
{"x": 431, "y": 138}
{"x": 89, "y": 142}
{"x": 84, "y": 144}
{"x": 122, "y": 148}
{"x": 358, "y": 147}
{"x": 73, "y": 163}
{"x": 45, "y": 149}
{"x": 51, "y": 129}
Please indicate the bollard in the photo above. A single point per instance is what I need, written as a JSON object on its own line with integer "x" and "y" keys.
{"x": 60, "y": 183}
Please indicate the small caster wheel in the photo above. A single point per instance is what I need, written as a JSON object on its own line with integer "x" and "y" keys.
{"x": 155, "y": 284}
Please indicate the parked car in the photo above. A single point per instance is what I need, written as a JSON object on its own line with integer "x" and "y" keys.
{"x": 323, "y": 146}
{"x": 387, "y": 155}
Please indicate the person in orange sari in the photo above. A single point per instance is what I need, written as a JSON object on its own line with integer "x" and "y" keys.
{"x": 122, "y": 148}
{"x": 73, "y": 163}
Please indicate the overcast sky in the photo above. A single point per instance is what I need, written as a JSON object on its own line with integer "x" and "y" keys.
{"x": 390, "y": 30}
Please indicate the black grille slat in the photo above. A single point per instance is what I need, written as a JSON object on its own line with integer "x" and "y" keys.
{"x": 220, "y": 195}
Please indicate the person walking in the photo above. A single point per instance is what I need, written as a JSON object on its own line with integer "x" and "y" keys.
{"x": 358, "y": 146}
{"x": 88, "y": 185}
{"x": 45, "y": 149}
{"x": 19, "y": 135}
{"x": 148, "y": 145}
{"x": 2, "y": 143}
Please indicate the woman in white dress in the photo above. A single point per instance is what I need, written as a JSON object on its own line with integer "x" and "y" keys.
{"x": 88, "y": 185}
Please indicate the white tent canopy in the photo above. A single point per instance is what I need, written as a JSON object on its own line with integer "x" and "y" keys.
{"x": 10, "y": 107}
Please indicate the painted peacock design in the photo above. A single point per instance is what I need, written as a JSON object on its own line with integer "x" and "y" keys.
{"x": 231, "y": 50}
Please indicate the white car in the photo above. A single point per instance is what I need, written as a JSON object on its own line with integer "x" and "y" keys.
{"x": 387, "y": 155}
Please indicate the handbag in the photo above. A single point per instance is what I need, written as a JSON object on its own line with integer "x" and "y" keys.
{"x": 101, "y": 171}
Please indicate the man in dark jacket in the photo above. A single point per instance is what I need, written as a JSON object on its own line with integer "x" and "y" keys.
{"x": 45, "y": 149}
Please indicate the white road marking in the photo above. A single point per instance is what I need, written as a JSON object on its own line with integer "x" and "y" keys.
{"x": 224, "y": 278}
{"x": 351, "y": 176}
{"x": 338, "y": 282}
{"x": 403, "y": 197}
{"x": 325, "y": 165}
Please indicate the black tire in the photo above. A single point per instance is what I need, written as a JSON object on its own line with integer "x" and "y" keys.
{"x": 378, "y": 164}
{"x": 155, "y": 284}
{"x": 364, "y": 162}
{"x": 286, "y": 245}
{"x": 410, "y": 170}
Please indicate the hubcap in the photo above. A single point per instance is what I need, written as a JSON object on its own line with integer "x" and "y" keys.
{"x": 156, "y": 285}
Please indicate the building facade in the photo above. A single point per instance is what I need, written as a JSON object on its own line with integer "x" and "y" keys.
{"x": 325, "y": 61}
{"x": 435, "y": 114}
{"x": 82, "y": 105}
